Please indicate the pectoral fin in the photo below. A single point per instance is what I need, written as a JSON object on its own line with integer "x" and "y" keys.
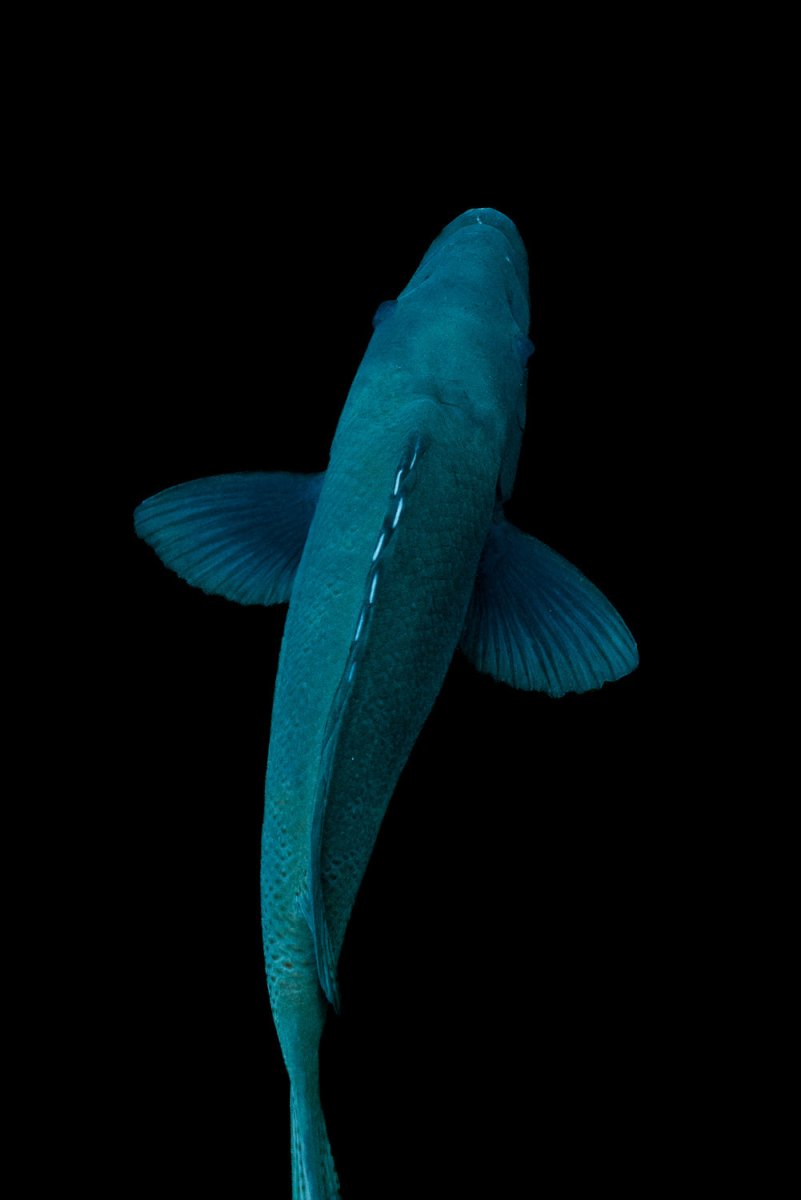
{"x": 536, "y": 623}
{"x": 238, "y": 536}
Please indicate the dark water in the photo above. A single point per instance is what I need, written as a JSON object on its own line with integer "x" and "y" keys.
{"x": 515, "y": 991}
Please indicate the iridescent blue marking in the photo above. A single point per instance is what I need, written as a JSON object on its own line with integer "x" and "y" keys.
{"x": 398, "y": 512}
{"x": 360, "y": 626}
{"x": 360, "y": 637}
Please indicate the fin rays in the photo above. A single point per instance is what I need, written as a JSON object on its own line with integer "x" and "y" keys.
{"x": 238, "y": 536}
{"x": 536, "y": 623}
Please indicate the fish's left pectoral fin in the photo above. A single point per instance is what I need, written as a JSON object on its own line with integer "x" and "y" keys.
{"x": 536, "y": 623}
{"x": 239, "y": 536}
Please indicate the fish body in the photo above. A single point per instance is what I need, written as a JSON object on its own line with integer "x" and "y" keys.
{"x": 392, "y": 559}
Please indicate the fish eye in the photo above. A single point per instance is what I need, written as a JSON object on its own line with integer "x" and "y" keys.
{"x": 525, "y": 348}
{"x": 383, "y": 311}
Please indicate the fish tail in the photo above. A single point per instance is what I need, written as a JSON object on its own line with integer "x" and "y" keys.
{"x": 314, "y": 1176}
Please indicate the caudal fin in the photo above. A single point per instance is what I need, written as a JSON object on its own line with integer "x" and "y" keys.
{"x": 314, "y": 1176}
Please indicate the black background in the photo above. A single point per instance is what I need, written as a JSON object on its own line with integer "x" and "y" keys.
{"x": 517, "y": 975}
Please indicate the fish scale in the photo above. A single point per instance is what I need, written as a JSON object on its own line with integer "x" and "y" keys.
{"x": 427, "y": 570}
{"x": 414, "y": 631}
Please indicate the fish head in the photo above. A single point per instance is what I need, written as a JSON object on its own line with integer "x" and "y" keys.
{"x": 470, "y": 297}
{"x": 480, "y": 258}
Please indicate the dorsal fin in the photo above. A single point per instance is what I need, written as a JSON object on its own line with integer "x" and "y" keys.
{"x": 313, "y": 903}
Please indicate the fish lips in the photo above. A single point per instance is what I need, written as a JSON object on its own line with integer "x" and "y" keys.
{"x": 480, "y": 228}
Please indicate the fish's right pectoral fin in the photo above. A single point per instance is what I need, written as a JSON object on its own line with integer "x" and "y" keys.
{"x": 537, "y": 623}
{"x": 239, "y": 536}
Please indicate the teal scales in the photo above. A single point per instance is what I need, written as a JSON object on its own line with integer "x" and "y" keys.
{"x": 396, "y": 556}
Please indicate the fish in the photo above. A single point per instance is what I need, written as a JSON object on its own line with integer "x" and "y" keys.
{"x": 392, "y": 560}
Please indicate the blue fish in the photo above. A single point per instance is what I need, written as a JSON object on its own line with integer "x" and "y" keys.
{"x": 390, "y": 560}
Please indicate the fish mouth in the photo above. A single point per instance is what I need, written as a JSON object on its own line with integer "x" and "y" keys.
{"x": 493, "y": 219}
{"x": 468, "y": 225}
